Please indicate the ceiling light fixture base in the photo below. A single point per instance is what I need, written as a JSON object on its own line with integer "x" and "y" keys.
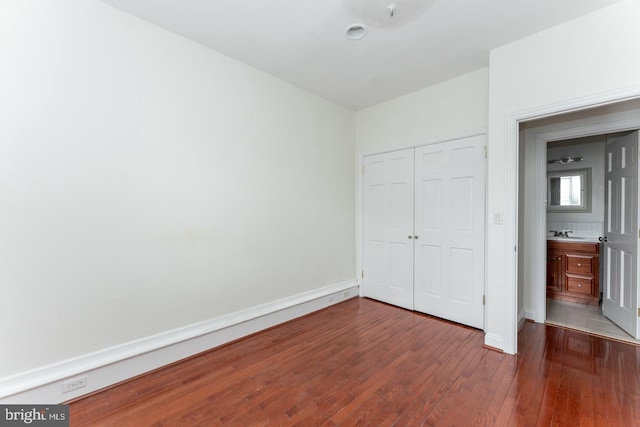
{"x": 355, "y": 31}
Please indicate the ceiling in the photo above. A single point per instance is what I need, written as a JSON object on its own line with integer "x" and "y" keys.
{"x": 304, "y": 42}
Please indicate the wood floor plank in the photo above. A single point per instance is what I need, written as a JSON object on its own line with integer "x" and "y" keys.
{"x": 362, "y": 362}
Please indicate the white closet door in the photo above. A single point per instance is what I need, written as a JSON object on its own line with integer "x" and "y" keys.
{"x": 449, "y": 223}
{"x": 388, "y": 228}
{"x": 620, "y": 299}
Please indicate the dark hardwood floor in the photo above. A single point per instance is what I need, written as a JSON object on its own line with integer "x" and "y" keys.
{"x": 362, "y": 362}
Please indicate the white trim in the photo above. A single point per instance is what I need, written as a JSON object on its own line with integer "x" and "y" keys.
{"x": 529, "y": 314}
{"x": 511, "y": 144}
{"x": 538, "y": 257}
{"x": 119, "y": 363}
{"x": 510, "y": 339}
{"x": 493, "y": 340}
{"x": 521, "y": 319}
{"x": 426, "y": 141}
{"x": 359, "y": 221}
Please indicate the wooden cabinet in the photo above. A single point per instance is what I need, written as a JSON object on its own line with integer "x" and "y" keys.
{"x": 573, "y": 271}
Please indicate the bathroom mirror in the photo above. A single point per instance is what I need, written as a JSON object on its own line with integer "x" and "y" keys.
{"x": 569, "y": 190}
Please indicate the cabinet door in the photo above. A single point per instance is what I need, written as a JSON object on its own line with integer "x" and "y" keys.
{"x": 554, "y": 271}
{"x": 388, "y": 228}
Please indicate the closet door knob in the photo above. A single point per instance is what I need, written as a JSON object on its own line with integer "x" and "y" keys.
{"x": 579, "y": 264}
{"x": 411, "y": 237}
{"x": 415, "y": 237}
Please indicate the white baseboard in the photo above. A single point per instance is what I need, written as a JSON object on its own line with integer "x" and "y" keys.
{"x": 530, "y": 315}
{"x": 521, "y": 319}
{"x": 494, "y": 341}
{"x": 116, "y": 364}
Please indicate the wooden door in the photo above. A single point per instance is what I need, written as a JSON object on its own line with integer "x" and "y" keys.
{"x": 388, "y": 228}
{"x": 450, "y": 230}
{"x": 620, "y": 281}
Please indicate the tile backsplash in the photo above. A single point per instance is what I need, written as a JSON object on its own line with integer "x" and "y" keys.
{"x": 580, "y": 229}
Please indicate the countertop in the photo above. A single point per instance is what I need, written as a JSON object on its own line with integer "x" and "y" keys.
{"x": 576, "y": 239}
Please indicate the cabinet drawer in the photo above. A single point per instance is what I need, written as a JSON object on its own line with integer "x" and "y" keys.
{"x": 580, "y": 264}
{"x": 580, "y": 285}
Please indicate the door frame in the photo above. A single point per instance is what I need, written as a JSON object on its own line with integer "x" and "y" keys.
{"x": 512, "y": 149}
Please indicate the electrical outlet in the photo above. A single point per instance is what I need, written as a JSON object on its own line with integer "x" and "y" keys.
{"x": 497, "y": 218}
{"x": 74, "y": 384}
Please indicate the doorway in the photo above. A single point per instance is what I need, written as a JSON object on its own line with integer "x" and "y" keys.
{"x": 590, "y": 221}
{"x": 532, "y": 174}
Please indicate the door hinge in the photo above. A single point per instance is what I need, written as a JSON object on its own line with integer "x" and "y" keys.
{"x": 362, "y": 274}
{"x": 484, "y": 151}
{"x": 484, "y": 300}
{"x": 638, "y": 311}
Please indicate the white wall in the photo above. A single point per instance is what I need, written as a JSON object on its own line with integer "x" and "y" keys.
{"x": 592, "y": 151}
{"x": 149, "y": 183}
{"x": 448, "y": 109}
{"x": 592, "y": 55}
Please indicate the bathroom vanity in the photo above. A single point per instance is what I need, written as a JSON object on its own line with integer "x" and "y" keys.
{"x": 573, "y": 270}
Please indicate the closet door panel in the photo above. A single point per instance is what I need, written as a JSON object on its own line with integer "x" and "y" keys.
{"x": 450, "y": 216}
{"x": 388, "y": 227}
